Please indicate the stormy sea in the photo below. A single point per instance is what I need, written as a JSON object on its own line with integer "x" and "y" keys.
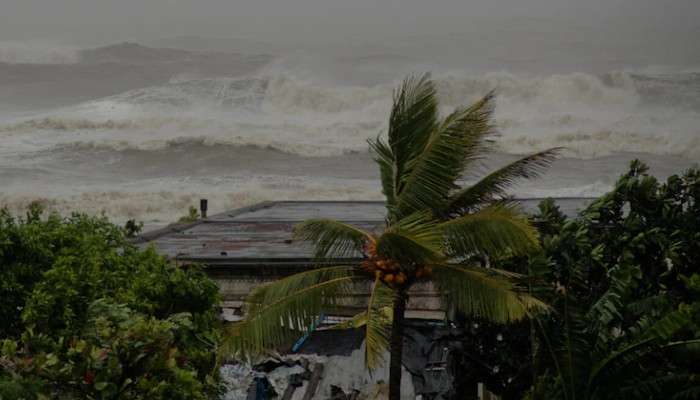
{"x": 143, "y": 130}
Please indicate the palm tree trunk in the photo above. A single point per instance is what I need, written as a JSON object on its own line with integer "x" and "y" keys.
{"x": 396, "y": 347}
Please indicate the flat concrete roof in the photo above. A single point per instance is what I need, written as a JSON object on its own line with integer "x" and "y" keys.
{"x": 260, "y": 235}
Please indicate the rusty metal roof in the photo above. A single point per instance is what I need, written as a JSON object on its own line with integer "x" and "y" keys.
{"x": 260, "y": 235}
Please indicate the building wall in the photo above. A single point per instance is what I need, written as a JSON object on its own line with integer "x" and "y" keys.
{"x": 424, "y": 303}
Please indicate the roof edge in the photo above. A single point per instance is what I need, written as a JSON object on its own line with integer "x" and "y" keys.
{"x": 179, "y": 227}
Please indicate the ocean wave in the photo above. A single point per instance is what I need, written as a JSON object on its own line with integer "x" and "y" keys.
{"x": 157, "y": 133}
{"x": 159, "y": 201}
{"x": 283, "y": 92}
{"x": 206, "y": 142}
{"x": 37, "y": 53}
{"x": 165, "y": 200}
{"x": 581, "y": 145}
{"x": 591, "y": 190}
{"x": 589, "y": 115}
{"x": 604, "y": 143}
{"x": 70, "y": 124}
{"x": 554, "y": 91}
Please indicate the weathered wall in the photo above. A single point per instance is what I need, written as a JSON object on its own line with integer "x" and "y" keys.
{"x": 424, "y": 302}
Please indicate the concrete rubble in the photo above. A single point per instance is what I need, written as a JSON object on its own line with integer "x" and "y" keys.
{"x": 331, "y": 366}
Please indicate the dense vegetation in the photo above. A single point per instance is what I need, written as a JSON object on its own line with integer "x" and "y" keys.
{"x": 85, "y": 314}
{"x": 623, "y": 279}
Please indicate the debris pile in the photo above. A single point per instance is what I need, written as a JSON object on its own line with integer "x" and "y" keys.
{"x": 331, "y": 365}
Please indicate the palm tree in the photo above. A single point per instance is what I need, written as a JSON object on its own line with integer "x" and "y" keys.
{"x": 436, "y": 231}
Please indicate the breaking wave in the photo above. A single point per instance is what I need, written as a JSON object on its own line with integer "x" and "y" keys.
{"x": 165, "y": 200}
{"x": 589, "y": 115}
{"x": 63, "y": 124}
{"x": 144, "y": 133}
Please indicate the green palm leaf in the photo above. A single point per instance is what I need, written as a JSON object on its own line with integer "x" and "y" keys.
{"x": 378, "y": 326}
{"x": 422, "y": 227}
{"x": 478, "y": 292}
{"x": 384, "y": 157}
{"x": 413, "y": 116}
{"x": 494, "y": 230}
{"x": 376, "y": 320}
{"x": 493, "y": 186}
{"x": 425, "y": 182}
{"x": 405, "y": 250}
{"x": 415, "y": 237}
{"x": 278, "y": 311}
{"x": 332, "y": 238}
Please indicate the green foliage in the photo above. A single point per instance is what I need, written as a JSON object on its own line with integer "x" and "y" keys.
{"x": 622, "y": 279}
{"x": 483, "y": 293}
{"x": 489, "y": 231}
{"x": 79, "y": 282}
{"x": 494, "y": 186}
{"x": 332, "y": 237}
{"x": 279, "y": 310}
{"x": 132, "y": 228}
{"x": 192, "y": 216}
{"x": 119, "y": 354}
{"x": 29, "y": 247}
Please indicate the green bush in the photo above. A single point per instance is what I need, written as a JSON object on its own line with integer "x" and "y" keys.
{"x": 119, "y": 354}
{"x": 77, "y": 289}
{"x": 623, "y": 281}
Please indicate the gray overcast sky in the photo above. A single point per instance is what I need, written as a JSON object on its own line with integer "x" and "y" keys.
{"x": 107, "y": 20}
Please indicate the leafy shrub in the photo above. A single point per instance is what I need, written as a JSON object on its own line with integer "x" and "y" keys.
{"x": 119, "y": 354}
{"x": 76, "y": 289}
{"x": 622, "y": 279}
{"x": 192, "y": 216}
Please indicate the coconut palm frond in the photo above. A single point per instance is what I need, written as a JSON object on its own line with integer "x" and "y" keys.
{"x": 357, "y": 321}
{"x": 332, "y": 238}
{"x": 478, "y": 292}
{"x": 475, "y": 123}
{"x": 281, "y": 310}
{"x": 414, "y": 114}
{"x": 429, "y": 177}
{"x": 384, "y": 157}
{"x": 376, "y": 320}
{"x": 493, "y": 186}
{"x": 404, "y": 248}
{"x": 378, "y": 326}
{"x": 494, "y": 230}
{"x": 421, "y": 227}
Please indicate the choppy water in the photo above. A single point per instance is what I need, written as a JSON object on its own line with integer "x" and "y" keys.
{"x": 143, "y": 133}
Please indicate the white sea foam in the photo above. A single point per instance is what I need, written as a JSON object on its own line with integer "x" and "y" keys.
{"x": 589, "y": 115}
{"x": 163, "y": 200}
{"x": 191, "y": 133}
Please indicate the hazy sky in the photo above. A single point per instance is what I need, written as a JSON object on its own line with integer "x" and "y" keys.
{"x": 110, "y": 20}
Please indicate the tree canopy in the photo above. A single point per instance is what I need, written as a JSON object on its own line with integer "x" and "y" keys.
{"x": 88, "y": 315}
